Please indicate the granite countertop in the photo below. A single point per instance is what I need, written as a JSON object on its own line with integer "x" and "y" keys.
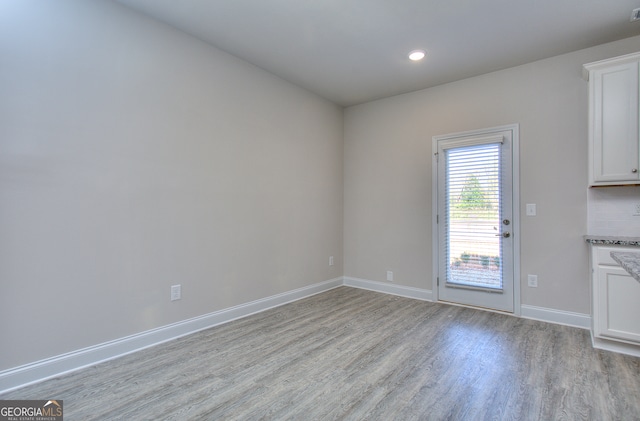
{"x": 613, "y": 240}
{"x": 629, "y": 262}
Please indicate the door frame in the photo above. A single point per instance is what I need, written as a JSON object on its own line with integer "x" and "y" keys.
{"x": 515, "y": 194}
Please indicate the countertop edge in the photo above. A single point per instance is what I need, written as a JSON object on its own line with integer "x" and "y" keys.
{"x": 629, "y": 262}
{"x": 612, "y": 240}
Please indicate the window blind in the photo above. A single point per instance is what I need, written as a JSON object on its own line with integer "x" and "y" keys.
{"x": 472, "y": 217}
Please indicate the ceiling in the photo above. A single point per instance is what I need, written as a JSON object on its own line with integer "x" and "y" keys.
{"x": 354, "y": 51}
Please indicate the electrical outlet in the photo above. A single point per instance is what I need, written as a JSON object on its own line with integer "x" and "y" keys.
{"x": 532, "y": 281}
{"x": 389, "y": 276}
{"x": 330, "y": 260}
{"x": 176, "y": 292}
{"x": 636, "y": 209}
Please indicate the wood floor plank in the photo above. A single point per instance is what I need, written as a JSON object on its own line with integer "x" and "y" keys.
{"x": 355, "y": 354}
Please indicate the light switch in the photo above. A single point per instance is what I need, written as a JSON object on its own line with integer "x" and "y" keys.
{"x": 531, "y": 209}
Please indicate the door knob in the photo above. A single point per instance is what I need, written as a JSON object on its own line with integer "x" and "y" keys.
{"x": 505, "y": 234}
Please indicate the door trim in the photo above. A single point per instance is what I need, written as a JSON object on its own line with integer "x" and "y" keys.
{"x": 515, "y": 159}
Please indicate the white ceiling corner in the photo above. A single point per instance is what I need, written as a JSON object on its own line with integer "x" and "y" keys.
{"x": 354, "y": 51}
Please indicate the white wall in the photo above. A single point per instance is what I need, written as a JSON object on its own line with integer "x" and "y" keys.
{"x": 388, "y": 173}
{"x": 133, "y": 157}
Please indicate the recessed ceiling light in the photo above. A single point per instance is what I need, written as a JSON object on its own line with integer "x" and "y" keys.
{"x": 416, "y": 55}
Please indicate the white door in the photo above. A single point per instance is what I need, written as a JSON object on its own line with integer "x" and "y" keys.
{"x": 476, "y": 231}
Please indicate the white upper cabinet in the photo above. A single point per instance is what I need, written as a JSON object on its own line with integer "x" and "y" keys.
{"x": 614, "y": 138}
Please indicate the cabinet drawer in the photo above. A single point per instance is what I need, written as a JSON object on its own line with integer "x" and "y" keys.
{"x": 603, "y": 254}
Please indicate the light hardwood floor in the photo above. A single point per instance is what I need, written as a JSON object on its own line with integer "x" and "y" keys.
{"x": 355, "y": 354}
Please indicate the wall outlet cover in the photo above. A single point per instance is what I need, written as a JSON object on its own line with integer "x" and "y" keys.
{"x": 176, "y": 292}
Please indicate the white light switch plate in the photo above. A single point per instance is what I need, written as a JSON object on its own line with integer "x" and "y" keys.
{"x": 531, "y": 209}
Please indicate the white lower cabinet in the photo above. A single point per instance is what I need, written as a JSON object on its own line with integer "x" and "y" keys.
{"x": 616, "y": 298}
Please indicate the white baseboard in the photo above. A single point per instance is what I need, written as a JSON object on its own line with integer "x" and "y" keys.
{"x": 72, "y": 361}
{"x": 615, "y": 346}
{"x": 559, "y": 317}
{"x": 388, "y": 288}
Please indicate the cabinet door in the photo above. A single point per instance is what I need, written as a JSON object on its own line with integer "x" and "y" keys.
{"x": 617, "y": 298}
{"x": 614, "y": 124}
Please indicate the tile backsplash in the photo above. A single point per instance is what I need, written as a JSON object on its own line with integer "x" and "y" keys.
{"x": 611, "y": 211}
